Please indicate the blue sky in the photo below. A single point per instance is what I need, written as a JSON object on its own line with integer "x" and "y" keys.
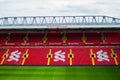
{"x": 59, "y": 7}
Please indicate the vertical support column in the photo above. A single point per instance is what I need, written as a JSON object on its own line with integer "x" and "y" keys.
{"x": 25, "y": 39}
{"x": 25, "y": 56}
{"x": 71, "y": 56}
{"x": 44, "y": 39}
{"x": 114, "y": 56}
{"x": 49, "y": 56}
{"x": 84, "y": 38}
{"x": 7, "y": 38}
{"x": 92, "y": 56}
{"x": 64, "y": 38}
{"x": 5, "y": 55}
{"x": 103, "y": 38}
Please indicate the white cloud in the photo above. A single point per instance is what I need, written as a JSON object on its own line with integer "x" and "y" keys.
{"x": 2, "y": 0}
{"x": 59, "y": 7}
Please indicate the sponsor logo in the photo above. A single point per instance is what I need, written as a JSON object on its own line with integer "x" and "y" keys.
{"x": 102, "y": 56}
{"x": 14, "y": 56}
{"x": 59, "y": 56}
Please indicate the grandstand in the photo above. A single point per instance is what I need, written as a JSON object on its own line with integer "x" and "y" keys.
{"x": 56, "y": 41}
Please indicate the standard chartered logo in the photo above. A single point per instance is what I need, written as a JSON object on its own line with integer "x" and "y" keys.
{"x": 59, "y": 56}
{"x": 101, "y": 55}
{"x": 14, "y": 56}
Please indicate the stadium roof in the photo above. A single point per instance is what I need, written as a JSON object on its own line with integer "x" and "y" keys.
{"x": 60, "y": 22}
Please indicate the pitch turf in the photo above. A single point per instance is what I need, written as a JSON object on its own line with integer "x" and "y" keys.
{"x": 60, "y": 73}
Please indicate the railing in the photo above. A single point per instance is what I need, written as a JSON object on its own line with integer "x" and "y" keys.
{"x": 58, "y": 20}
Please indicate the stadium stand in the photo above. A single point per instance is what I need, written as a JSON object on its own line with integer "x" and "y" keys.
{"x": 60, "y": 38}
{"x": 113, "y": 38}
{"x": 16, "y": 39}
{"x": 13, "y": 52}
{"x": 3, "y": 38}
{"x": 34, "y": 39}
{"x": 60, "y": 55}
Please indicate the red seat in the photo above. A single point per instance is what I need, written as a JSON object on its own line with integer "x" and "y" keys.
{"x": 113, "y": 37}
{"x": 3, "y": 38}
{"x": 93, "y": 38}
{"x": 16, "y": 39}
{"x": 57, "y": 38}
{"x": 35, "y": 38}
{"x": 2, "y": 52}
{"x": 37, "y": 55}
{"x": 74, "y": 38}
{"x": 54, "y": 38}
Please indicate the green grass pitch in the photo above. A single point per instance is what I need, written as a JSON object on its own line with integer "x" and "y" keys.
{"x": 59, "y": 72}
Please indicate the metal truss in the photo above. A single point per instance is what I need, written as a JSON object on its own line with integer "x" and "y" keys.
{"x": 58, "y": 20}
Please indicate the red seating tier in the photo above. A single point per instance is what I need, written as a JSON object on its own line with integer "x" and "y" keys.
{"x": 58, "y": 38}
{"x": 81, "y": 55}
